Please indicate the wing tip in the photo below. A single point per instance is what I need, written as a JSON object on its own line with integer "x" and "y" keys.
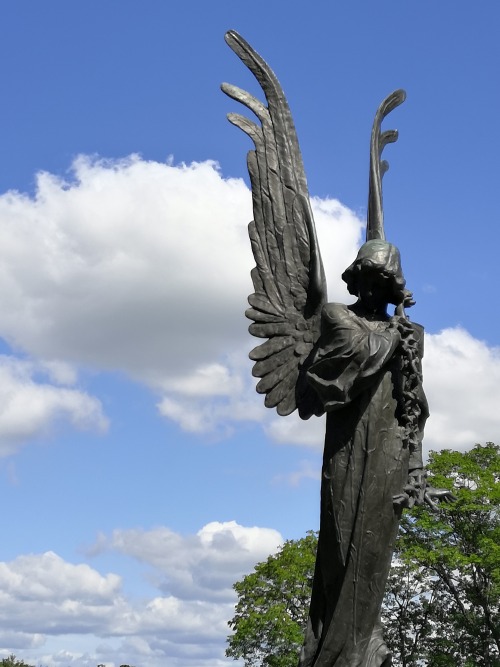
{"x": 285, "y": 408}
{"x": 230, "y": 35}
{"x": 234, "y": 40}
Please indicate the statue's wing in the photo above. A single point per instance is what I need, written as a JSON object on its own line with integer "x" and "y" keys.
{"x": 288, "y": 278}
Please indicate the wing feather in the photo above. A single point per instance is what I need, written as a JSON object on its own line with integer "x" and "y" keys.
{"x": 268, "y": 329}
{"x": 282, "y": 392}
{"x": 271, "y": 347}
{"x": 262, "y": 304}
{"x": 273, "y": 380}
{"x": 288, "y": 279}
{"x": 287, "y": 404}
{"x": 272, "y": 364}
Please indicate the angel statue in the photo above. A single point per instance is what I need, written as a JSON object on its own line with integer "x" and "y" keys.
{"x": 356, "y": 363}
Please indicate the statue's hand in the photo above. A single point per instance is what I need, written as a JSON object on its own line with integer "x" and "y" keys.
{"x": 414, "y": 490}
{"x": 408, "y": 300}
{"x": 417, "y": 492}
{"x": 443, "y": 495}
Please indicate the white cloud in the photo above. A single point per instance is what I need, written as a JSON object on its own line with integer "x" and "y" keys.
{"x": 202, "y": 566}
{"x": 133, "y": 265}
{"x": 29, "y": 407}
{"x": 462, "y": 380}
{"x": 48, "y": 578}
{"x": 143, "y": 268}
{"x": 296, "y": 431}
{"x": 81, "y": 617}
{"x": 43, "y": 594}
{"x": 208, "y": 380}
{"x": 215, "y": 397}
{"x": 339, "y": 236}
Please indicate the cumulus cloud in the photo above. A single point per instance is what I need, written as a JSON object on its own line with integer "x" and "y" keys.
{"x": 295, "y": 431}
{"x": 143, "y": 268}
{"x": 30, "y": 402}
{"x": 201, "y": 566}
{"x": 142, "y": 251}
{"x": 43, "y": 594}
{"x": 46, "y": 601}
{"x": 126, "y": 266}
{"x": 462, "y": 380}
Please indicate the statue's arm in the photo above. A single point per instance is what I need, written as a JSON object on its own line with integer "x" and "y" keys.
{"x": 347, "y": 358}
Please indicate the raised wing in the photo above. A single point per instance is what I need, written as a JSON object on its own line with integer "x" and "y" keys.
{"x": 378, "y": 167}
{"x": 288, "y": 278}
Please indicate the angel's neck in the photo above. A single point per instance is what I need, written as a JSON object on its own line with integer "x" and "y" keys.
{"x": 379, "y": 313}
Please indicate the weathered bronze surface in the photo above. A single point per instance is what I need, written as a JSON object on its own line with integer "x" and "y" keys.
{"x": 357, "y": 363}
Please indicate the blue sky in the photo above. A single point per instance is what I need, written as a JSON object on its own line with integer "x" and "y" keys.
{"x": 141, "y": 474}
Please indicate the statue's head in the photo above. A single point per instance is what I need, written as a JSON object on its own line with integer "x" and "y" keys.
{"x": 379, "y": 262}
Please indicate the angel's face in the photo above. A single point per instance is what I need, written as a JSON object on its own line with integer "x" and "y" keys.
{"x": 374, "y": 290}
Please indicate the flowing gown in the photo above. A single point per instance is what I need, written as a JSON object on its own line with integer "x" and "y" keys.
{"x": 355, "y": 374}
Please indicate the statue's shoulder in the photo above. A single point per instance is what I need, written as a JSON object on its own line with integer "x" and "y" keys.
{"x": 419, "y": 330}
{"x": 335, "y": 312}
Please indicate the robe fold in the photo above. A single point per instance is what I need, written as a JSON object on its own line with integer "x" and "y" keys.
{"x": 355, "y": 375}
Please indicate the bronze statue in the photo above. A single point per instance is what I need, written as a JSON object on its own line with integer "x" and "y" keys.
{"x": 356, "y": 363}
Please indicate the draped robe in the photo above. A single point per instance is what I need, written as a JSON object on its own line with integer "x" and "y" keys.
{"x": 355, "y": 374}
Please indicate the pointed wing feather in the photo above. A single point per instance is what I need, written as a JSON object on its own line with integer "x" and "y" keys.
{"x": 272, "y": 347}
{"x": 271, "y": 364}
{"x": 288, "y": 278}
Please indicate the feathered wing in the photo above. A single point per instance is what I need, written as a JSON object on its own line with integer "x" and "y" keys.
{"x": 288, "y": 278}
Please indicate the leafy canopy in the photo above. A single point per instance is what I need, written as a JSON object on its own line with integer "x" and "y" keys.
{"x": 442, "y": 602}
{"x": 272, "y": 607}
{"x": 12, "y": 661}
{"x": 452, "y": 558}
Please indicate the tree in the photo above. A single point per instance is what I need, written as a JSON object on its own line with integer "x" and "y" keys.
{"x": 271, "y": 612}
{"x": 452, "y": 613}
{"x": 442, "y": 603}
{"x": 12, "y": 661}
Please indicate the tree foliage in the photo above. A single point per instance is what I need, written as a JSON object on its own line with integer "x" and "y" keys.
{"x": 442, "y": 603}
{"x": 272, "y": 607}
{"x": 12, "y": 661}
{"x": 445, "y": 607}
